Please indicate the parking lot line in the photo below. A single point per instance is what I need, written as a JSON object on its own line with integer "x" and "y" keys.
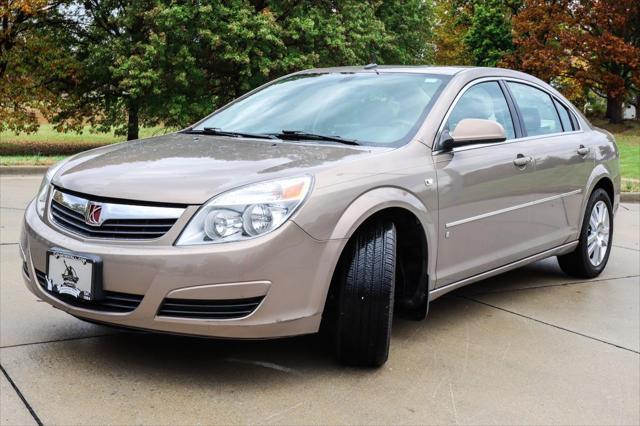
{"x": 21, "y": 396}
{"x": 548, "y": 324}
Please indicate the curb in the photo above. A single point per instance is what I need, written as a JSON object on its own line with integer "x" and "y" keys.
{"x": 630, "y": 197}
{"x": 23, "y": 170}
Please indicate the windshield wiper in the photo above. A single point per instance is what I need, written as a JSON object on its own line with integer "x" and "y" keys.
{"x": 216, "y": 131}
{"x": 299, "y": 135}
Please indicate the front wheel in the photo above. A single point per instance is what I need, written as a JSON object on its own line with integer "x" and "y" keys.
{"x": 592, "y": 253}
{"x": 365, "y": 306}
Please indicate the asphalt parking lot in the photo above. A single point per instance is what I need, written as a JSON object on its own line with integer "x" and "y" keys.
{"x": 532, "y": 346}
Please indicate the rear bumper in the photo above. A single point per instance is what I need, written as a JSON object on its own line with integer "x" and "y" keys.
{"x": 287, "y": 270}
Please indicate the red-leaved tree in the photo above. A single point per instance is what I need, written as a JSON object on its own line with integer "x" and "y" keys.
{"x": 594, "y": 42}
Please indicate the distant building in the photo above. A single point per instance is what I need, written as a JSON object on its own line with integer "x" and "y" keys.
{"x": 629, "y": 112}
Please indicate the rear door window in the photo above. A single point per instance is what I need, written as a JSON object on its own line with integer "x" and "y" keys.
{"x": 485, "y": 101}
{"x": 567, "y": 125}
{"x": 538, "y": 112}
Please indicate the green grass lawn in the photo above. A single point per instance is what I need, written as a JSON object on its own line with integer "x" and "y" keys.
{"x": 47, "y": 133}
{"x": 48, "y": 146}
{"x": 629, "y": 147}
{"x": 47, "y": 142}
{"x": 628, "y": 140}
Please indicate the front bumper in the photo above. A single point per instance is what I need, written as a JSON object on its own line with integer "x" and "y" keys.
{"x": 288, "y": 267}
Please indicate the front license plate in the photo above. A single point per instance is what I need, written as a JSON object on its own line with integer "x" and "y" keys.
{"x": 74, "y": 274}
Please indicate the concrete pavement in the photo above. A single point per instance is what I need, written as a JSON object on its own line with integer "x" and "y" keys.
{"x": 529, "y": 346}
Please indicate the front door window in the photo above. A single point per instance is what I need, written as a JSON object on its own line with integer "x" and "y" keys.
{"x": 485, "y": 101}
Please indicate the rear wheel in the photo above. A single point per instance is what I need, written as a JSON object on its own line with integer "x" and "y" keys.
{"x": 366, "y": 290}
{"x": 590, "y": 257}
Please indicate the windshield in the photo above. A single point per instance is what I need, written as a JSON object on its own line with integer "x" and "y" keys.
{"x": 383, "y": 109}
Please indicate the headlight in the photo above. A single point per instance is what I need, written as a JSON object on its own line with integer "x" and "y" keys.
{"x": 41, "y": 198}
{"x": 246, "y": 212}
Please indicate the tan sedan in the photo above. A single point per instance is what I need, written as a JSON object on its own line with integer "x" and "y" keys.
{"x": 328, "y": 197}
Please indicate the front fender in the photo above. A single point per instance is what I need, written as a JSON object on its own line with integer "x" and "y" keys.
{"x": 378, "y": 199}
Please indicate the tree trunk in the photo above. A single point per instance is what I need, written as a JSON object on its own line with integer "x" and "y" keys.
{"x": 132, "y": 123}
{"x": 607, "y": 113}
{"x": 615, "y": 113}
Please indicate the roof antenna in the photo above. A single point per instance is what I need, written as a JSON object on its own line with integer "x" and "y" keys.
{"x": 373, "y": 65}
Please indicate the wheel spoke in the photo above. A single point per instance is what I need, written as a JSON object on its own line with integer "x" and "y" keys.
{"x": 591, "y": 247}
{"x": 601, "y": 253}
{"x": 602, "y": 211}
{"x": 596, "y": 254}
{"x": 592, "y": 238}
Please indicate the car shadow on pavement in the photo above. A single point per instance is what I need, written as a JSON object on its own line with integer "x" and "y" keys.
{"x": 206, "y": 359}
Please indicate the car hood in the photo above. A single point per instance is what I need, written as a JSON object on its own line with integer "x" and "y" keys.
{"x": 189, "y": 169}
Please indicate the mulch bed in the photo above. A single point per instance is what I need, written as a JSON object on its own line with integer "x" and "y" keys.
{"x": 46, "y": 148}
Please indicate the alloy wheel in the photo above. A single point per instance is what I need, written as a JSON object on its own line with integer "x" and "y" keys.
{"x": 598, "y": 233}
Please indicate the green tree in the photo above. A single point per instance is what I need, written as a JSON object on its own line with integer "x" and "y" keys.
{"x": 146, "y": 62}
{"x": 489, "y": 35}
{"x": 410, "y": 26}
{"x": 136, "y": 66}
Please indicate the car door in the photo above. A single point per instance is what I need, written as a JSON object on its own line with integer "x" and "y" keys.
{"x": 483, "y": 191}
{"x": 562, "y": 164}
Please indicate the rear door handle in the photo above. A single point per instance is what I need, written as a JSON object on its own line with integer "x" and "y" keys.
{"x": 522, "y": 161}
{"x": 583, "y": 150}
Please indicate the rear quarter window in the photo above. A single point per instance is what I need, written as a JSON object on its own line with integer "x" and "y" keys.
{"x": 565, "y": 117}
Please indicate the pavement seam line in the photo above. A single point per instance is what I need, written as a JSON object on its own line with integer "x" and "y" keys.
{"x": 9, "y": 244}
{"x": 19, "y": 345}
{"x": 24, "y": 400}
{"x": 12, "y": 208}
{"x": 548, "y": 323}
{"x": 568, "y": 283}
{"x": 627, "y": 248}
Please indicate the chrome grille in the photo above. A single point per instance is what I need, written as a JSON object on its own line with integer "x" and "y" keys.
{"x": 121, "y": 221}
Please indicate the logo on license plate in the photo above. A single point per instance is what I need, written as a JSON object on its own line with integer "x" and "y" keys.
{"x": 70, "y": 280}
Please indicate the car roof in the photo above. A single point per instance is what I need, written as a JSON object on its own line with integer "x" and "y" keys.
{"x": 418, "y": 69}
{"x": 472, "y": 71}
{"x": 466, "y": 73}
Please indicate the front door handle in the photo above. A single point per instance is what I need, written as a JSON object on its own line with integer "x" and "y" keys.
{"x": 522, "y": 161}
{"x": 583, "y": 150}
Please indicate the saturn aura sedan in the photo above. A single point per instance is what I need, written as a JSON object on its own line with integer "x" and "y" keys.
{"x": 327, "y": 199}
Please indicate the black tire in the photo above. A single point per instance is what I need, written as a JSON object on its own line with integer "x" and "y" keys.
{"x": 366, "y": 290}
{"x": 577, "y": 263}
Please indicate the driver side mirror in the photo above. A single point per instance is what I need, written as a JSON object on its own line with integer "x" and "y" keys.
{"x": 473, "y": 131}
